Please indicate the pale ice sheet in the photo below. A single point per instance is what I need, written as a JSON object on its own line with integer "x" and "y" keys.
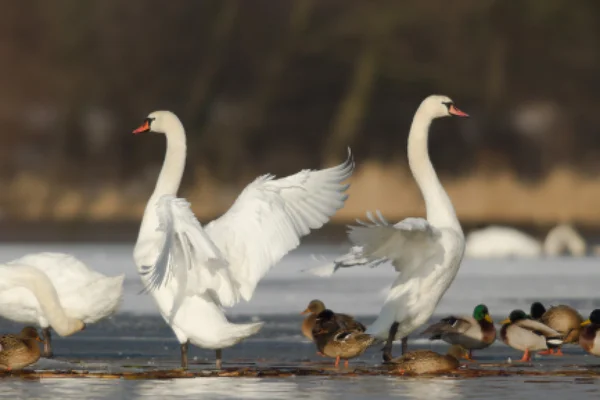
{"x": 502, "y": 284}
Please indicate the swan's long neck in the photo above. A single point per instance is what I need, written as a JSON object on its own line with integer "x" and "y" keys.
{"x": 169, "y": 178}
{"x": 174, "y": 163}
{"x": 440, "y": 212}
{"x": 41, "y": 287}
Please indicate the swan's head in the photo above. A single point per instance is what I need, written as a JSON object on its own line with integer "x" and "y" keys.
{"x": 438, "y": 106}
{"x": 159, "y": 122}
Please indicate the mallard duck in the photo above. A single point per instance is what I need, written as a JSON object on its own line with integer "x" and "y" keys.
{"x": 317, "y": 306}
{"x": 337, "y": 342}
{"x": 561, "y": 318}
{"x": 428, "y": 362}
{"x": 589, "y": 338}
{"x": 522, "y": 333}
{"x": 19, "y": 351}
{"x": 471, "y": 333}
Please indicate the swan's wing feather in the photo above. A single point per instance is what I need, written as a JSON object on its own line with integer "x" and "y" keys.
{"x": 188, "y": 255}
{"x": 270, "y": 216}
{"x": 406, "y": 244}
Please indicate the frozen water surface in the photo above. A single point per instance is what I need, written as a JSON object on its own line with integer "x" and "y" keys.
{"x": 137, "y": 337}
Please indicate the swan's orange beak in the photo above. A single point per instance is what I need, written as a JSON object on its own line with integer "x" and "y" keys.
{"x": 145, "y": 127}
{"x": 455, "y": 111}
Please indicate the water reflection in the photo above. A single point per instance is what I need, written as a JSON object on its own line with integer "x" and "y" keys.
{"x": 208, "y": 388}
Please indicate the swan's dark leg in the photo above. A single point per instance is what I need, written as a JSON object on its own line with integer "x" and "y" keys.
{"x": 184, "y": 351}
{"x": 219, "y": 357}
{"x": 404, "y": 345}
{"x": 48, "y": 353}
{"x": 387, "y": 349}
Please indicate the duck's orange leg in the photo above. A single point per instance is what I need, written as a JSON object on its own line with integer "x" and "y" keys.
{"x": 468, "y": 355}
{"x": 346, "y": 363}
{"x": 337, "y": 361}
{"x": 558, "y": 352}
{"x": 526, "y": 356}
{"x": 546, "y": 352}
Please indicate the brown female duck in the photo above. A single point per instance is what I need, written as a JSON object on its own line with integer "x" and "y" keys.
{"x": 561, "y": 318}
{"x": 428, "y": 362}
{"x": 336, "y": 341}
{"x": 589, "y": 339}
{"x": 317, "y": 306}
{"x": 471, "y": 333}
{"x": 19, "y": 351}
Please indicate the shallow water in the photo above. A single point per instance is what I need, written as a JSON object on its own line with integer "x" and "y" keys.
{"x": 138, "y": 338}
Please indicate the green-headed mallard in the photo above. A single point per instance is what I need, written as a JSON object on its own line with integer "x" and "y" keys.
{"x": 19, "y": 351}
{"x": 562, "y": 318}
{"x": 589, "y": 338}
{"x": 471, "y": 333}
{"x": 522, "y": 333}
{"x": 317, "y": 306}
{"x": 428, "y": 362}
{"x": 335, "y": 341}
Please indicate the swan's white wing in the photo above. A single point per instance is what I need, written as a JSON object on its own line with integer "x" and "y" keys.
{"x": 270, "y": 216}
{"x": 408, "y": 244}
{"x": 189, "y": 256}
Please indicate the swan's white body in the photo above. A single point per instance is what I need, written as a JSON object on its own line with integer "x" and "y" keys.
{"x": 84, "y": 294}
{"x": 426, "y": 252}
{"x": 503, "y": 242}
{"x": 193, "y": 271}
{"x": 26, "y": 284}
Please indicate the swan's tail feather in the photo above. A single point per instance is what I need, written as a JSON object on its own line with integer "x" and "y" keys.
{"x": 104, "y": 296}
{"x": 235, "y": 333}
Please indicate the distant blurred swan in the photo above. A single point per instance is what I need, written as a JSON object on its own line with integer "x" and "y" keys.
{"x": 194, "y": 271}
{"x": 84, "y": 294}
{"x": 501, "y": 241}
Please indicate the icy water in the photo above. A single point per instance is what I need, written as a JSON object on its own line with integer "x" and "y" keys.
{"x": 138, "y": 339}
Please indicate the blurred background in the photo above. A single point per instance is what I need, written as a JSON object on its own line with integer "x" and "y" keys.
{"x": 275, "y": 86}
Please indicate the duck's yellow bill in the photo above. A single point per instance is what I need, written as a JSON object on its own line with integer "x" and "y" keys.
{"x": 305, "y": 311}
{"x": 488, "y": 318}
{"x": 506, "y": 321}
{"x": 586, "y": 322}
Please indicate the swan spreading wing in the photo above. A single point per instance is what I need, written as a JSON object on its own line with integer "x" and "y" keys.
{"x": 228, "y": 257}
{"x": 407, "y": 244}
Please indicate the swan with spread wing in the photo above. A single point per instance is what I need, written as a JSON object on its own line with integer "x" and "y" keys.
{"x": 425, "y": 252}
{"x": 193, "y": 271}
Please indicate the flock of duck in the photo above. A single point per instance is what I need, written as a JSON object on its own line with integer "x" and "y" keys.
{"x": 341, "y": 337}
{"x": 193, "y": 271}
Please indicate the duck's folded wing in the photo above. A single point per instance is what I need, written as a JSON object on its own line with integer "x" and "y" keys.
{"x": 538, "y": 328}
{"x": 270, "y": 216}
{"x": 407, "y": 244}
{"x": 189, "y": 256}
{"x": 448, "y": 325}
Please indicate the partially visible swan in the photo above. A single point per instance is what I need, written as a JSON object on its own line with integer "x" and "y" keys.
{"x": 85, "y": 294}
{"x": 193, "y": 271}
{"x": 500, "y": 241}
{"x": 425, "y": 252}
{"x": 24, "y": 282}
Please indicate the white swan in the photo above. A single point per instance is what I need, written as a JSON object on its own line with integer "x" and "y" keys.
{"x": 29, "y": 281}
{"x": 84, "y": 294}
{"x": 192, "y": 271}
{"x": 426, "y": 252}
{"x": 501, "y": 241}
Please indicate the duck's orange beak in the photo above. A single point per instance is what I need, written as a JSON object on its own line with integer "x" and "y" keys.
{"x": 145, "y": 127}
{"x": 307, "y": 311}
{"x": 455, "y": 111}
{"x": 39, "y": 339}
